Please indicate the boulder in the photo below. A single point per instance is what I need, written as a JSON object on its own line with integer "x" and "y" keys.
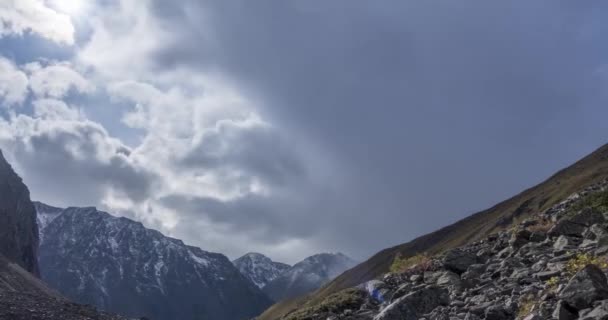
{"x": 586, "y": 287}
{"x": 563, "y": 312}
{"x": 458, "y": 261}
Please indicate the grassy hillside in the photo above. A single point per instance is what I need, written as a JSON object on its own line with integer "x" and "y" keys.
{"x": 586, "y": 171}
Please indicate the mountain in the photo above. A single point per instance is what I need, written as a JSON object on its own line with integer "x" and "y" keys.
{"x": 551, "y": 265}
{"x": 23, "y": 296}
{"x": 308, "y": 275}
{"x": 45, "y": 215}
{"x": 259, "y": 269}
{"x": 19, "y": 232}
{"x": 585, "y": 172}
{"x": 119, "y": 265}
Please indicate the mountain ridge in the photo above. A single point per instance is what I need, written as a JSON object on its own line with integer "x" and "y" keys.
{"x": 119, "y": 265}
{"x": 259, "y": 268}
{"x": 308, "y": 275}
{"x": 584, "y": 172}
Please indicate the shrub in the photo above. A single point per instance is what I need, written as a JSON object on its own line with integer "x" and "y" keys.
{"x": 581, "y": 260}
{"x": 526, "y": 306}
{"x": 596, "y": 200}
{"x": 552, "y": 283}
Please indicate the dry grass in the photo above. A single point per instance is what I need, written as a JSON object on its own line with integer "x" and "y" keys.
{"x": 526, "y": 306}
{"x": 543, "y": 226}
{"x": 417, "y": 263}
{"x": 581, "y": 260}
{"x": 336, "y": 303}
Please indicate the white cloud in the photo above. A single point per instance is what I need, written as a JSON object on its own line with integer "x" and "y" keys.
{"x": 70, "y": 160}
{"x": 123, "y": 35}
{"x": 13, "y": 83}
{"x": 20, "y": 16}
{"x": 52, "y": 109}
{"x": 56, "y": 80}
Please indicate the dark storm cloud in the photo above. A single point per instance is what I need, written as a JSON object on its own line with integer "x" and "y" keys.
{"x": 432, "y": 108}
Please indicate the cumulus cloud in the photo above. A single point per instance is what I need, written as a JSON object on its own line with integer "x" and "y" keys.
{"x": 70, "y": 160}
{"x": 327, "y": 129}
{"x": 21, "y": 16}
{"x": 56, "y": 79}
{"x": 13, "y": 83}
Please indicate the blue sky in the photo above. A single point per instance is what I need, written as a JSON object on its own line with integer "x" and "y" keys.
{"x": 293, "y": 127}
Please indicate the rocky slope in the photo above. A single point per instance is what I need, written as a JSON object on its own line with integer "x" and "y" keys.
{"x": 587, "y": 171}
{"x": 550, "y": 266}
{"x": 119, "y": 265}
{"x": 18, "y": 230}
{"x": 25, "y": 297}
{"x": 308, "y": 275}
{"x": 259, "y": 269}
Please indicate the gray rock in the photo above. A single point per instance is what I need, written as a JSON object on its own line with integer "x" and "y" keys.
{"x": 588, "y": 217}
{"x": 563, "y": 312}
{"x": 586, "y": 287}
{"x": 560, "y": 243}
{"x": 415, "y": 304}
{"x": 567, "y": 228}
{"x": 448, "y": 278}
{"x": 458, "y": 261}
{"x": 497, "y": 312}
{"x": 598, "y": 313}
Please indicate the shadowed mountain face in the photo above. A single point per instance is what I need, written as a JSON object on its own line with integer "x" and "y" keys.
{"x": 22, "y": 295}
{"x": 119, "y": 265}
{"x": 18, "y": 230}
{"x": 259, "y": 269}
{"x": 308, "y": 275}
{"x": 587, "y": 171}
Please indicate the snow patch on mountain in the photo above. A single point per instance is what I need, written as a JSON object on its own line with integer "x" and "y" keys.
{"x": 308, "y": 275}
{"x": 119, "y": 265}
{"x": 259, "y": 269}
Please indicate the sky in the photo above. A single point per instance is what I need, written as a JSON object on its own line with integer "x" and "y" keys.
{"x": 296, "y": 127}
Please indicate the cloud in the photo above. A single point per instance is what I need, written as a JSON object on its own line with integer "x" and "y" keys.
{"x": 56, "y": 80}
{"x": 18, "y": 17}
{"x": 13, "y": 83}
{"x": 70, "y": 160}
{"x": 307, "y": 127}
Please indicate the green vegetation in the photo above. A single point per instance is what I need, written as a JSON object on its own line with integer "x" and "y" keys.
{"x": 597, "y": 201}
{"x": 338, "y": 302}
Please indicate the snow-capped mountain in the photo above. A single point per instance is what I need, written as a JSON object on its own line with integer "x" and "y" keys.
{"x": 119, "y": 265}
{"x": 259, "y": 269}
{"x": 308, "y": 275}
{"x": 45, "y": 215}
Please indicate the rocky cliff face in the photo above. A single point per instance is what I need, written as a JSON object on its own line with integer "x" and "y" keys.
{"x": 551, "y": 265}
{"x": 308, "y": 275}
{"x": 119, "y": 265}
{"x": 18, "y": 229}
{"x": 22, "y": 295}
{"x": 259, "y": 269}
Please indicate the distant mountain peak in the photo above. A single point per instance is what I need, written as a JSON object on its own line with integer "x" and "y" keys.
{"x": 308, "y": 275}
{"x": 259, "y": 268}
